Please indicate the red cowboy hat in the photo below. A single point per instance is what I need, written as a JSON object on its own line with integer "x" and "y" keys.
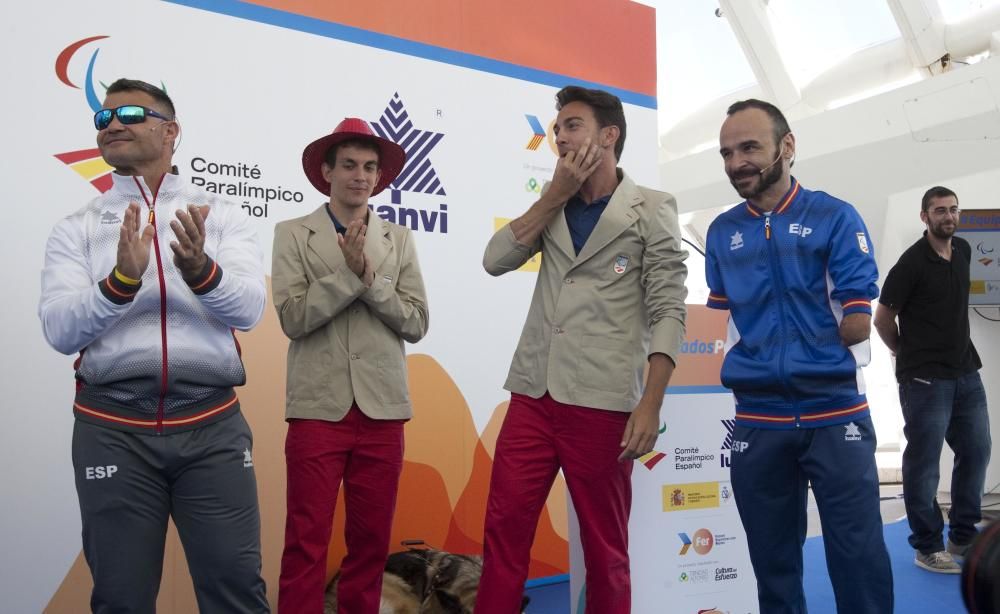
{"x": 391, "y": 156}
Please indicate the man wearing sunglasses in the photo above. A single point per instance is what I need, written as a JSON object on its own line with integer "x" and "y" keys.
{"x": 147, "y": 283}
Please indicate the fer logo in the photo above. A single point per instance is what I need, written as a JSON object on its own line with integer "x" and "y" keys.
{"x": 702, "y": 542}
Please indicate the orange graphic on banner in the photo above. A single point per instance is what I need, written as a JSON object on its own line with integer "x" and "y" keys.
{"x": 702, "y": 351}
{"x": 520, "y": 32}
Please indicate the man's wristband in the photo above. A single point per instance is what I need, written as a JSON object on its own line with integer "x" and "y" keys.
{"x": 125, "y": 279}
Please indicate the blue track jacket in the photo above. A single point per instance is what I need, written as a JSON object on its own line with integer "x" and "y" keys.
{"x": 788, "y": 278}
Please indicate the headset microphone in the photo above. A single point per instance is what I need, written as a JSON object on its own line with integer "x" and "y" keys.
{"x": 781, "y": 150}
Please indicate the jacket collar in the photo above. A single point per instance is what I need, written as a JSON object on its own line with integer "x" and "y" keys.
{"x": 790, "y": 197}
{"x": 128, "y": 184}
{"x": 323, "y": 238}
{"x": 617, "y": 216}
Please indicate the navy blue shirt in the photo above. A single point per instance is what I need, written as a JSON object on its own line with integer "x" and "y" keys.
{"x": 340, "y": 228}
{"x": 582, "y": 218}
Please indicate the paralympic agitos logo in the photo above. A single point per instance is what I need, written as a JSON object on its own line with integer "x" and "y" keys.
{"x": 86, "y": 162}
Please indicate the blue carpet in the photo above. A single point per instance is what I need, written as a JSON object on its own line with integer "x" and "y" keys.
{"x": 917, "y": 591}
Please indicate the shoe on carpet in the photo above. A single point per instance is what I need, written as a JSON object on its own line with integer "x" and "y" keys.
{"x": 938, "y": 562}
{"x": 957, "y": 551}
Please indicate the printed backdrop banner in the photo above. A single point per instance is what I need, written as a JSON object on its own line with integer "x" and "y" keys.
{"x": 686, "y": 544}
{"x": 465, "y": 86}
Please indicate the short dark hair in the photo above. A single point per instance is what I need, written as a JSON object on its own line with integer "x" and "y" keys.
{"x": 606, "y": 106}
{"x": 778, "y": 120}
{"x": 331, "y": 154}
{"x": 935, "y": 192}
{"x": 134, "y": 85}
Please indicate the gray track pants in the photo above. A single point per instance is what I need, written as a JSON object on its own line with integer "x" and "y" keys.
{"x": 129, "y": 484}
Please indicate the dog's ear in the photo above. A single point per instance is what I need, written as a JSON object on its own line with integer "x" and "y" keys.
{"x": 524, "y": 602}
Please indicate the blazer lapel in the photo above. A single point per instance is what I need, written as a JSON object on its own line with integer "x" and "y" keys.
{"x": 617, "y": 216}
{"x": 377, "y": 241}
{"x": 558, "y": 231}
{"x": 323, "y": 240}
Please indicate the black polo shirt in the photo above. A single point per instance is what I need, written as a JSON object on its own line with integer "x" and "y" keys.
{"x": 932, "y": 297}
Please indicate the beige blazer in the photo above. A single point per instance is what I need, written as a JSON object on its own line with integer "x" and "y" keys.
{"x": 346, "y": 340}
{"x": 596, "y": 317}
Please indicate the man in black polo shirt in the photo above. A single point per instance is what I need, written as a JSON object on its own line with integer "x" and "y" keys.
{"x": 940, "y": 390}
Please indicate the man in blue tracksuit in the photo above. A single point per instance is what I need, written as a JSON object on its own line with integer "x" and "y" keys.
{"x": 795, "y": 268}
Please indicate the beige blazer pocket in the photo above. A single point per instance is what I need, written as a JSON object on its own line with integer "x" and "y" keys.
{"x": 309, "y": 368}
{"x": 604, "y": 364}
{"x": 392, "y": 388}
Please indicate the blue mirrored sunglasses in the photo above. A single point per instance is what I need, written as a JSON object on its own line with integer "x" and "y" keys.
{"x": 126, "y": 114}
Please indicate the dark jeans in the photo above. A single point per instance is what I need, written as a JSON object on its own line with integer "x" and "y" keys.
{"x": 935, "y": 411}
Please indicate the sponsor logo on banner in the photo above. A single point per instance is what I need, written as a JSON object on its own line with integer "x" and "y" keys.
{"x": 243, "y": 183}
{"x": 726, "y": 494}
{"x": 533, "y": 186}
{"x": 540, "y": 133}
{"x": 726, "y": 574}
{"x": 701, "y": 543}
{"x": 727, "y": 444}
{"x": 694, "y": 496}
{"x": 239, "y": 180}
{"x": 686, "y": 459}
{"x": 418, "y": 177}
{"x": 537, "y": 133}
{"x": 698, "y": 346}
{"x": 701, "y": 575}
{"x": 651, "y": 458}
{"x": 88, "y": 162}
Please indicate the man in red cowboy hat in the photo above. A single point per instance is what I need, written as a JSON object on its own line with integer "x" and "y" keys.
{"x": 348, "y": 291}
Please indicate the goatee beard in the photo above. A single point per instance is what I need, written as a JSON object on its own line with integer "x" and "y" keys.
{"x": 770, "y": 177}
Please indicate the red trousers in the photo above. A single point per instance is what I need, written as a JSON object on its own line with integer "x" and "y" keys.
{"x": 537, "y": 438}
{"x": 367, "y": 455}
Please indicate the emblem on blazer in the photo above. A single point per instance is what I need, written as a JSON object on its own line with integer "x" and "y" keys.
{"x": 621, "y": 263}
{"x": 736, "y": 241}
{"x": 863, "y": 242}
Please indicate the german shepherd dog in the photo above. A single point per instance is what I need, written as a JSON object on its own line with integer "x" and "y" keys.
{"x": 428, "y": 581}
